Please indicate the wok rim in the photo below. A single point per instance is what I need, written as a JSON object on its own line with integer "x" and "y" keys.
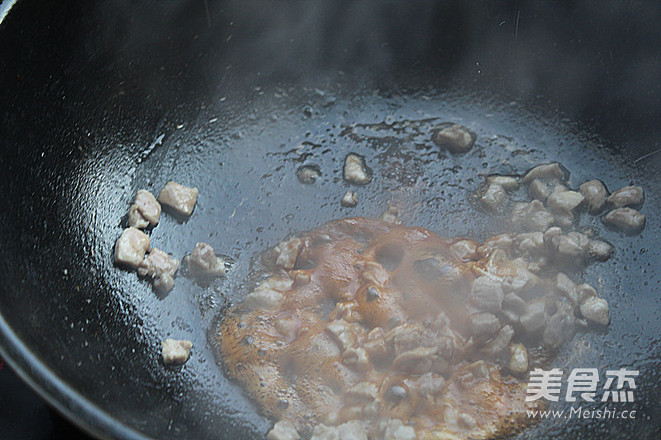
{"x": 74, "y": 406}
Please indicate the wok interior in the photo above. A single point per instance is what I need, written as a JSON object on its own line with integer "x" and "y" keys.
{"x": 97, "y": 107}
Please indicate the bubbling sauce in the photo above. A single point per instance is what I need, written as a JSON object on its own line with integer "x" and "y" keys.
{"x": 363, "y": 320}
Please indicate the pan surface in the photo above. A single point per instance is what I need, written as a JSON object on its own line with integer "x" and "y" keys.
{"x": 101, "y": 121}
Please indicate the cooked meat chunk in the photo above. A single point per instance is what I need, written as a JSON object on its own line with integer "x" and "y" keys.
{"x": 175, "y": 351}
{"x": 493, "y": 197}
{"x": 283, "y": 430}
{"x": 596, "y": 310}
{"x": 595, "y": 194}
{"x": 545, "y": 172}
{"x": 509, "y": 183}
{"x": 518, "y": 363}
{"x": 600, "y": 250}
{"x": 355, "y": 170}
{"x": 539, "y": 190}
{"x": 145, "y": 210}
{"x": 178, "y": 197}
{"x": 564, "y": 201}
{"x": 350, "y": 199}
{"x": 161, "y": 267}
{"x": 203, "y": 262}
{"x": 627, "y": 196}
{"x": 627, "y": 219}
{"x": 308, "y": 174}
{"x": 455, "y": 138}
{"x": 131, "y": 247}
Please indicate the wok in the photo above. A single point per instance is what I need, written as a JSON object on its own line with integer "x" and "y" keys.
{"x": 99, "y": 99}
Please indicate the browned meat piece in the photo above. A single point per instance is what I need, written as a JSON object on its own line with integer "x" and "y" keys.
{"x": 455, "y": 138}
{"x": 161, "y": 267}
{"x": 131, "y": 247}
{"x": 203, "y": 262}
{"x": 145, "y": 210}
{"x": 180, "y": 198}
{"x": 175, "y": 351}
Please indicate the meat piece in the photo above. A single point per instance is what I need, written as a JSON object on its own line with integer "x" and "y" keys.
{"x": 483, "y": 324}
{"x": 157, "y": 263}
{"x": 600, "y": 250}
{"x": 283, "y": 430}
{"x": 161, "y": 267}
{"x": 487, "y": 294}
{"x": 396, "y": 430}
{"x": 350, "y": 430}
{"x": 585, "y": 292}
{"x": 596, "y": 310}
{"x": 539, "y": 190}
{"x": 560, "y": 326}
{"x": 390, "y": 215}
{"x": 566, "y": 287}
{"x": 176, "y": 351}
{"x": 499, "y": 342}
{"x": 355, "y": 170}
{"x": 350, "y": 199}
{"x": 178, "y": 197}
{"x": 287, "y": 252}
{"x": 626, "y": 219}
{"x": 627, "y": 196}
{"x": 131, "y": 247}
{"x": 308, "y": 174}
{"x": 455, "y": 138}
{"x": 164, "y": 283}
{"x": 536, "y": 217}
{"x": 533, "y": 319}
{"x": 595, "y": 194}
{"x": 465, "y": 250}
{"x": 493, "y": 197}
{"x": 564, "y": 201}
{"x": 518, "y": 363}
{"x": 545, "y": 172}
{"x": 203, "y": 262}
{"x": 509, "y": 183}
{"x": 145, "y": 210}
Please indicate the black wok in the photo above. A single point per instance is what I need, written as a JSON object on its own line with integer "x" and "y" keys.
{"x": 99, "y": 99}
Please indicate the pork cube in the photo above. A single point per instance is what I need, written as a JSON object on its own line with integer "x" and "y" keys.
{"x": 627, "y": 219}
{"x": 145, "y": 210}
{"x": 158, "y": 263}
{"x": 175, "y": 351}
{"x": 595, "y": 194}
{"x": 627, "y": 196}
{"x": 455, "y": 138}
{"x": 180, "y": 198}
{"x": 131, "y": 247}
{"x": 283, "y": 430}
{"x": 545, "y": 171}
{"x": 349, "y": 200}
{"x": 204, "y": 262}
{"x": 355, "y": 170}
{"x": 161, "y": 267}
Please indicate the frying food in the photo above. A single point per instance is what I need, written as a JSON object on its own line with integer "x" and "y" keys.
{"x": 204, "y": 263}
{"x": 160, "y": 267}
{"x": 179, "y": 197}
{"x": 454, "y": 137}
{"x": 145, "y": 210}
{"x": 131, "y": 247}
{"x": 392, "y": 328}
{"x": 355, "y": 170}
{"x": 176, "y": 351}
{"x": 349, "y": 200}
